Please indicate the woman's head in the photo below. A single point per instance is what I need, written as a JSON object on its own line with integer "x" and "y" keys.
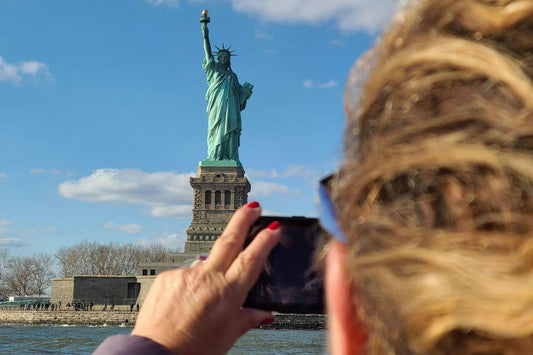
{"x": 436, "y": 193}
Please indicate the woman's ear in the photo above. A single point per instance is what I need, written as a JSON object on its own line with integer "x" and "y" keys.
{"x": 346, "y": 333}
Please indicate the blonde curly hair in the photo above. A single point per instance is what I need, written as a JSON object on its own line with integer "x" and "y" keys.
{"x": 436, "y": 192}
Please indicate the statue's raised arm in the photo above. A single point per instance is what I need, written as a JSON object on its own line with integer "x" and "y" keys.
{"x": 226, "y": 98}
{"x": 204, "y": 20}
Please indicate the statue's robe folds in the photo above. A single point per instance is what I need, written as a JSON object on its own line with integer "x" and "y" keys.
{"x": 225, "y": 101}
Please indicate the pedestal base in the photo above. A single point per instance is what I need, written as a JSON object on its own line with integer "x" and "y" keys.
{"x": 218, "y": 192}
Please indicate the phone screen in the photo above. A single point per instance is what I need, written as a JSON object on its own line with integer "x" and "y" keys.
{"x": 291, "y": 281}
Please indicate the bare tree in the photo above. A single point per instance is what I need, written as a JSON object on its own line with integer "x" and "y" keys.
{"x": 42, "y": 272}
{"x": 5, "y": 255}
{"x": 155, "y": 253}
{"x": 68, "y": 262}
{"x": 19, "y": 275}
{"x": 4, "y": 259}
{"x": 91, "y": 258}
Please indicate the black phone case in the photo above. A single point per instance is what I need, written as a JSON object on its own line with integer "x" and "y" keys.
{"x": 291, "y": 281}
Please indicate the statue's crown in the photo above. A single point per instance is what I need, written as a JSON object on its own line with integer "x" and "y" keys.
{"x": 226, "y": 50}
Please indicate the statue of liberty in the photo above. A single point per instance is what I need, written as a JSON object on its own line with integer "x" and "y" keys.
{"x": 226, "y": 98}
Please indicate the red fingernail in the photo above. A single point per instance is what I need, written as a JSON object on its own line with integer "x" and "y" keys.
{"x": 254, "y": 204}
{"x": 267, "y": 321}
{"x": 274, "y": 225}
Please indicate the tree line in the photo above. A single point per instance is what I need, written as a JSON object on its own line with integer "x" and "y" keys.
{"x": 32, "y": 275}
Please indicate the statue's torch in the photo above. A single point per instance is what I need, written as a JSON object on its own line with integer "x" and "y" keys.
{"x": 204, "y": 18}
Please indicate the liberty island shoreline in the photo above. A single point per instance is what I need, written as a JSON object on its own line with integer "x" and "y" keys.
{"x": 127, "y": 318}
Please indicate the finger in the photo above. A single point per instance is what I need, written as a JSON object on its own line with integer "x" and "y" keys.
{"x": 249, "y": 318}
{"x": 230, "y": 243}
{"x": 245, "y": 270}
{"x": 200, "y": 259}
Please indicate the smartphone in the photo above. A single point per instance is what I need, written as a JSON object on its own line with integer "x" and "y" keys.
{"x": 291, "y": 280}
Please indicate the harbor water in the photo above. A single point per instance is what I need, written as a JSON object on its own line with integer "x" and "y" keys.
{"x": 27, "y": 339}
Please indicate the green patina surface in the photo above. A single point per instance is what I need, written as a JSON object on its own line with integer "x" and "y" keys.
{"x": 226, "y": 98}
{"x": 226, "y": 162}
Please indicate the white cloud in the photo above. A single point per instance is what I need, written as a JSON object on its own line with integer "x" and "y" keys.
{"x": 168, "y": 3}
{"x": 5, "y": 239}
{"x": 337, "y": 42}
{"x": 170, "y": 240}
{"x": 5, "y": 223}
{"x": 262, "y": 173}
{"x": 55, "y": 173}
{"x": 328, "y": 84}
{"x": 300, "y": 170}
{"x": 264, "y": 189}
{"x": 293, "y": 170}
{"x": 349, "y": 15}
{"x": 261, "y": 34}
{"x": 295, "y": 174}
{"x": 9, "y": 72}
{"x": 32, "y": 68}
{"x": 37, "y": 171}
{"x": 3, "y": 227}
{"x": 3, "y": 175}
{"x": 16, "y": 73}
{"x": 273, "y": 213}
{"x": 269, "y": 51}
{"x": 12, "y": 242}
{"x": 161, "y": 191}
{"x": 44, "y": 230}
{"x": 132, "y": 228}
{"x": 310, "y": 84}
{"x": 183, "y": 211}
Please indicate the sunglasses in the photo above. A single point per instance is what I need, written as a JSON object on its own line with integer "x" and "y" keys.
{"x": 326, "y": 210}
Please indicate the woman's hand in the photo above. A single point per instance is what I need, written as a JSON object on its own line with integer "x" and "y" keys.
{"x": 198, "y": 310}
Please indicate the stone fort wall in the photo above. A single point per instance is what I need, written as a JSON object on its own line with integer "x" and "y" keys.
{"x": 62, "y": 290}
{"x": 145, "y": 282}
{"x": 109, "y": 290}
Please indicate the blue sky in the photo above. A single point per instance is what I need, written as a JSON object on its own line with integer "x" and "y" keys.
{"x": 102, "y": 110}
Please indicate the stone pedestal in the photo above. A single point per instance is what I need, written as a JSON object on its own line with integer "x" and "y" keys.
{"x": 218, "y": 192}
